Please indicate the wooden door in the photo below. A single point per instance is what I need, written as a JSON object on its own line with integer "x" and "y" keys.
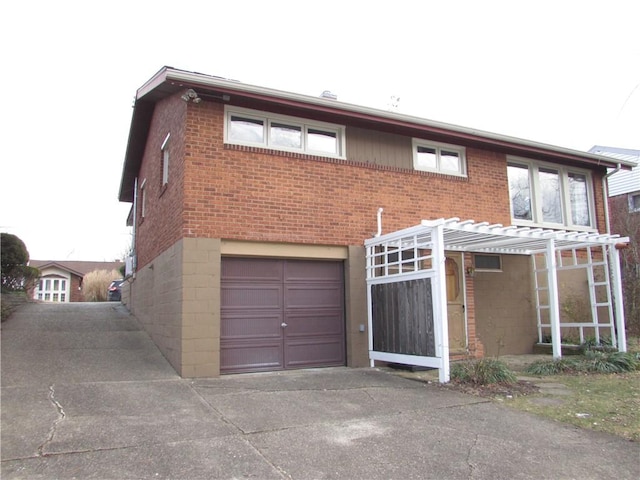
{"x": 455, "y": 303}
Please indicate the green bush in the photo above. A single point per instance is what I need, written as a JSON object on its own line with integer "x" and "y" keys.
{"x": 15, "y": 273}
{"x": 482, "y": 372}
{"x": 553, "y": 367}
{"x": 591, "y": 362}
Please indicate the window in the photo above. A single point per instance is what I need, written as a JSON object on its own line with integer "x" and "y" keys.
{"x": 51, "y": 290}
{"x": 487, "y": 263}
{"x": 549, "y": 195}
{"x": 439, "y": 157}
{"x": 634, "y": 202}
{"x": 143, "y": 198}
{"x": 255, "y": 128}
{"x": 164, "y": 150}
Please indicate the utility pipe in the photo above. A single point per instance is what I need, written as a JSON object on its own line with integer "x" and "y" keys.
{"x": 380, "y": 210}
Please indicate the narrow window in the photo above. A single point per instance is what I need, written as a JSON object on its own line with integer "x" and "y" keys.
{"x": 520, "y": 192}
{"x": 634, "y": 202}
{"x": 550, "y": 195}
{"x": 143, "y": 198}
{"x": 164, "y": 150}
{"x": 579, "y": 199}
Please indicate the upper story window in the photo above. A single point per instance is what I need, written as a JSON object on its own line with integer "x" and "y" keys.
{"x": 439, "y": 157}
{"x": 143, "y": 199}
{"x": 255, "y": 128}
{"x": 164, "y": 150}
{"x": 550, "y": 195}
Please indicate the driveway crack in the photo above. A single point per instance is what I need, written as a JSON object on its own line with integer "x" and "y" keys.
{"x": 468, "y": 460}
{"x": 54, "y": 425}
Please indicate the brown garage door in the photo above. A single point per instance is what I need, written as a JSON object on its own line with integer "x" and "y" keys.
{"x": 281, "y": 314}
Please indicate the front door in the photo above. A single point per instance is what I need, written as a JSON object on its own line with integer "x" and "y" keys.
{"x": 455, "y": 303}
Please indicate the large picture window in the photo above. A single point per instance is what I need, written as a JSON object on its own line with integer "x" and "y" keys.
{"x": 549, "y": 195}
{"x": 255, "y": 128}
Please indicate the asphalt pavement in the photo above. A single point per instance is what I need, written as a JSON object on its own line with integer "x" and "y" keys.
{"x": 87, "y": 395}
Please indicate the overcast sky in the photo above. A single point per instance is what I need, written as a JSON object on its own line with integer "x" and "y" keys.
{"x": 561, "y": 72}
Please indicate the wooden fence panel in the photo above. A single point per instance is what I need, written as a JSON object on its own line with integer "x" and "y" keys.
{"x": 403, "y": 318}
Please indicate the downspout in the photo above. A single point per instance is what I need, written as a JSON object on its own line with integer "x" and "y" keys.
{"x": 605, "y": 191}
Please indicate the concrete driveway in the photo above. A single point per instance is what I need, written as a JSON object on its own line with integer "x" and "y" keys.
{"x": 86, "y": 394}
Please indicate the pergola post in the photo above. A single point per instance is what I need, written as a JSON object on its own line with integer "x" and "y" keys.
{"x": 441, "y": 302}
{"x": 554, "y": 307}
{"x": 616, "y": 289}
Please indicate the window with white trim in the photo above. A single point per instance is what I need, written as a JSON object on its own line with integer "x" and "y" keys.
{"x": 439, "y": 157}
{"x": 164, "y": 150}
{"x": 634, "y": 202}
{"x": 143, "y": 198}
{"x": 279, "y": 132}
{"x": 550, "y": 195}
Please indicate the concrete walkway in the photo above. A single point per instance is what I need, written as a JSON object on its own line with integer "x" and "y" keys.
{"x": 86, "y": 394}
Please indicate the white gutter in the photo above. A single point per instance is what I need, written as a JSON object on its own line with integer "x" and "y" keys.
{"x": 191, "y": 78}
{"x": 605, "y": 193}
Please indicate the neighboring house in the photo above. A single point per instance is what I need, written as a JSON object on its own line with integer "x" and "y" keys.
{"x": 624, "y": 213}
{"x": 623, "y": 185}
{"x": 61, "y": 281}
{"x": 251, "y": 208}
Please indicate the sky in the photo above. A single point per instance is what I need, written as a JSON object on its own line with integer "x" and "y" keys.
{"x": 561, "y": 72}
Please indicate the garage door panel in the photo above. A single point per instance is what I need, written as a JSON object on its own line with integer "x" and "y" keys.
{"x": 250, "y": 357}
{"x": 313, "y": 296}
{"x": 250, "y": 297}
{"x": 321, "y": 352}
{"x": 314, "y": 323}
{"x": 252, "y": 270}
{"x": 312, "y": 271}
{"x": 254, "y": 326}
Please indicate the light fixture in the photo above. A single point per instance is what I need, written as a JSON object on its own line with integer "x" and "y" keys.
{"x": 191, "y": 95}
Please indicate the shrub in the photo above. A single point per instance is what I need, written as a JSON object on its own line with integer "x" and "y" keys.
{"x": 96, "y": 283}
{"x": 591, "y": 362}
{"x": 482, "y": 372}
{"x": 553, "y": 367}
{"x": 16, "y": 275}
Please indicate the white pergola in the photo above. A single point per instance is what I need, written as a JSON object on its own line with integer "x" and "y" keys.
{"x": 419, "y": 253}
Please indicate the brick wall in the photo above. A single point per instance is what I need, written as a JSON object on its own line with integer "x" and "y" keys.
{"x": 256, "y": 194}
{"x": 162, "y": 225}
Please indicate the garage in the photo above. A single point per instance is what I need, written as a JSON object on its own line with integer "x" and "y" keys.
{"x": 281, "y": 314}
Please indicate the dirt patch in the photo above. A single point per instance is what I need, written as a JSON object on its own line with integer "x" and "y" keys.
{"x": 509, "y": 390}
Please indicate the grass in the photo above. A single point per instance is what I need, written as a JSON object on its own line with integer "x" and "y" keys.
{"x": 606, "y": 402}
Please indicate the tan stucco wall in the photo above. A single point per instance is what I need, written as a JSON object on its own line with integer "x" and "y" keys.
{"x": 201, "y": 308}
{"x": 505, "y": 308}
